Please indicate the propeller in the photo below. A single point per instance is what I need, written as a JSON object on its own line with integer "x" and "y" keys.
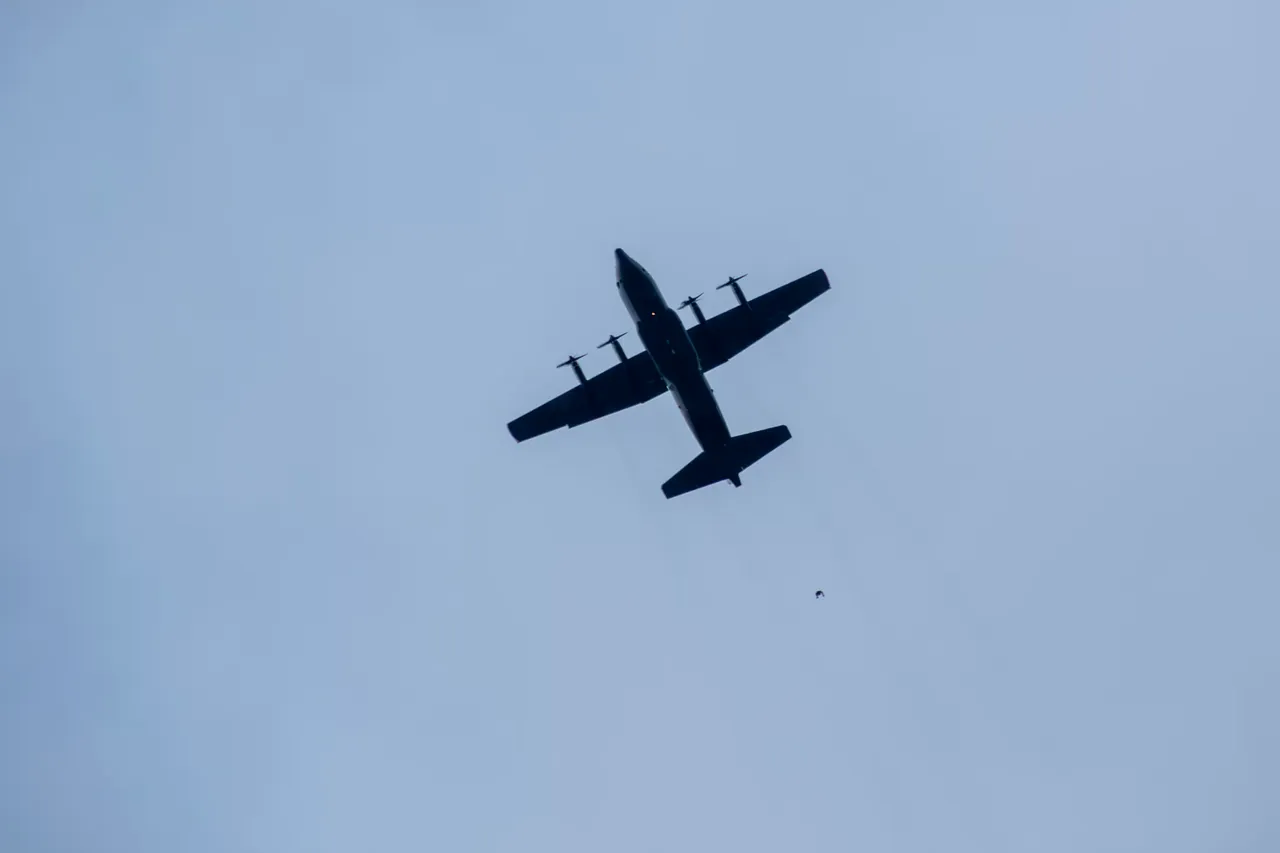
{"x": 737, "y": 291}
{"x": 572, "y": 361}
{"x": 692, "y": 302}
{"x": 617, "y": 347}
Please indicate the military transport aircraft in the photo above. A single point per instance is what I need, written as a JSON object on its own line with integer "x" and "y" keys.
{"x": 676, "y": 359}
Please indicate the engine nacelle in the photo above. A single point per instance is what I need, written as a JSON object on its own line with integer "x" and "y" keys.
{"x": 737, "y": 291}
{"x": 617, "y": 347}
{"x": 572, "y": 361}
{"x": 692, "y": 304}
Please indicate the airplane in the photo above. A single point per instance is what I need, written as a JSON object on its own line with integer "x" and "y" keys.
{"x": 677, "y": 359}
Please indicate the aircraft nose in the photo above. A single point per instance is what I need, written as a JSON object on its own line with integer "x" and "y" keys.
{"x": 625, "y": 265}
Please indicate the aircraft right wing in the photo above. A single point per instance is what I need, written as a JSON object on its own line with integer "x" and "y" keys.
{"x": 725, "y": 335}
{"x": 626, "y": 384}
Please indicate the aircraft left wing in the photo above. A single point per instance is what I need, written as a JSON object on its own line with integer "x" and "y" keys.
{"x": 725, "y": 335}
{"x": 626, "y": 384}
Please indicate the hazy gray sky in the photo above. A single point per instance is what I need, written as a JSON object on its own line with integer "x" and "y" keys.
{"x": 275, "y": 577}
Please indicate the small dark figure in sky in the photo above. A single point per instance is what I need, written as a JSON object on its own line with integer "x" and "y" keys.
{"x": 819, "y": 594}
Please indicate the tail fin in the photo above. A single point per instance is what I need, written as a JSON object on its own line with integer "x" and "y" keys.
{"x": 726, "y": 463}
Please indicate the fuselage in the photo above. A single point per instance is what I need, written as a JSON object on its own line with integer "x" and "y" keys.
{"x": 663, "y": 334}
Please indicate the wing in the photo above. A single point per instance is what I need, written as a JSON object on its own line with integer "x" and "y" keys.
{"x": 725, "y": 335}
{"x": 626, "y": 384}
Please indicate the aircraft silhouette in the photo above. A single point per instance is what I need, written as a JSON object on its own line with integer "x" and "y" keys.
{"x": 677, "y": 359}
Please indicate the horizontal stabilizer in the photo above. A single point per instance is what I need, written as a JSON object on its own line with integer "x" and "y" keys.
{"x": 726, "y": 463}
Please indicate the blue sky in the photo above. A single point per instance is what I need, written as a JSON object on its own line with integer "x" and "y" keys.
{"x": 273, "y": 576}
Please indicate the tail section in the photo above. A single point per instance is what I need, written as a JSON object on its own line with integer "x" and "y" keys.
{"x": 726, "y": 463}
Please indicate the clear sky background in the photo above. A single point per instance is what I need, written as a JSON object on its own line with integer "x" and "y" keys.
{"x": 275, "y": 577}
